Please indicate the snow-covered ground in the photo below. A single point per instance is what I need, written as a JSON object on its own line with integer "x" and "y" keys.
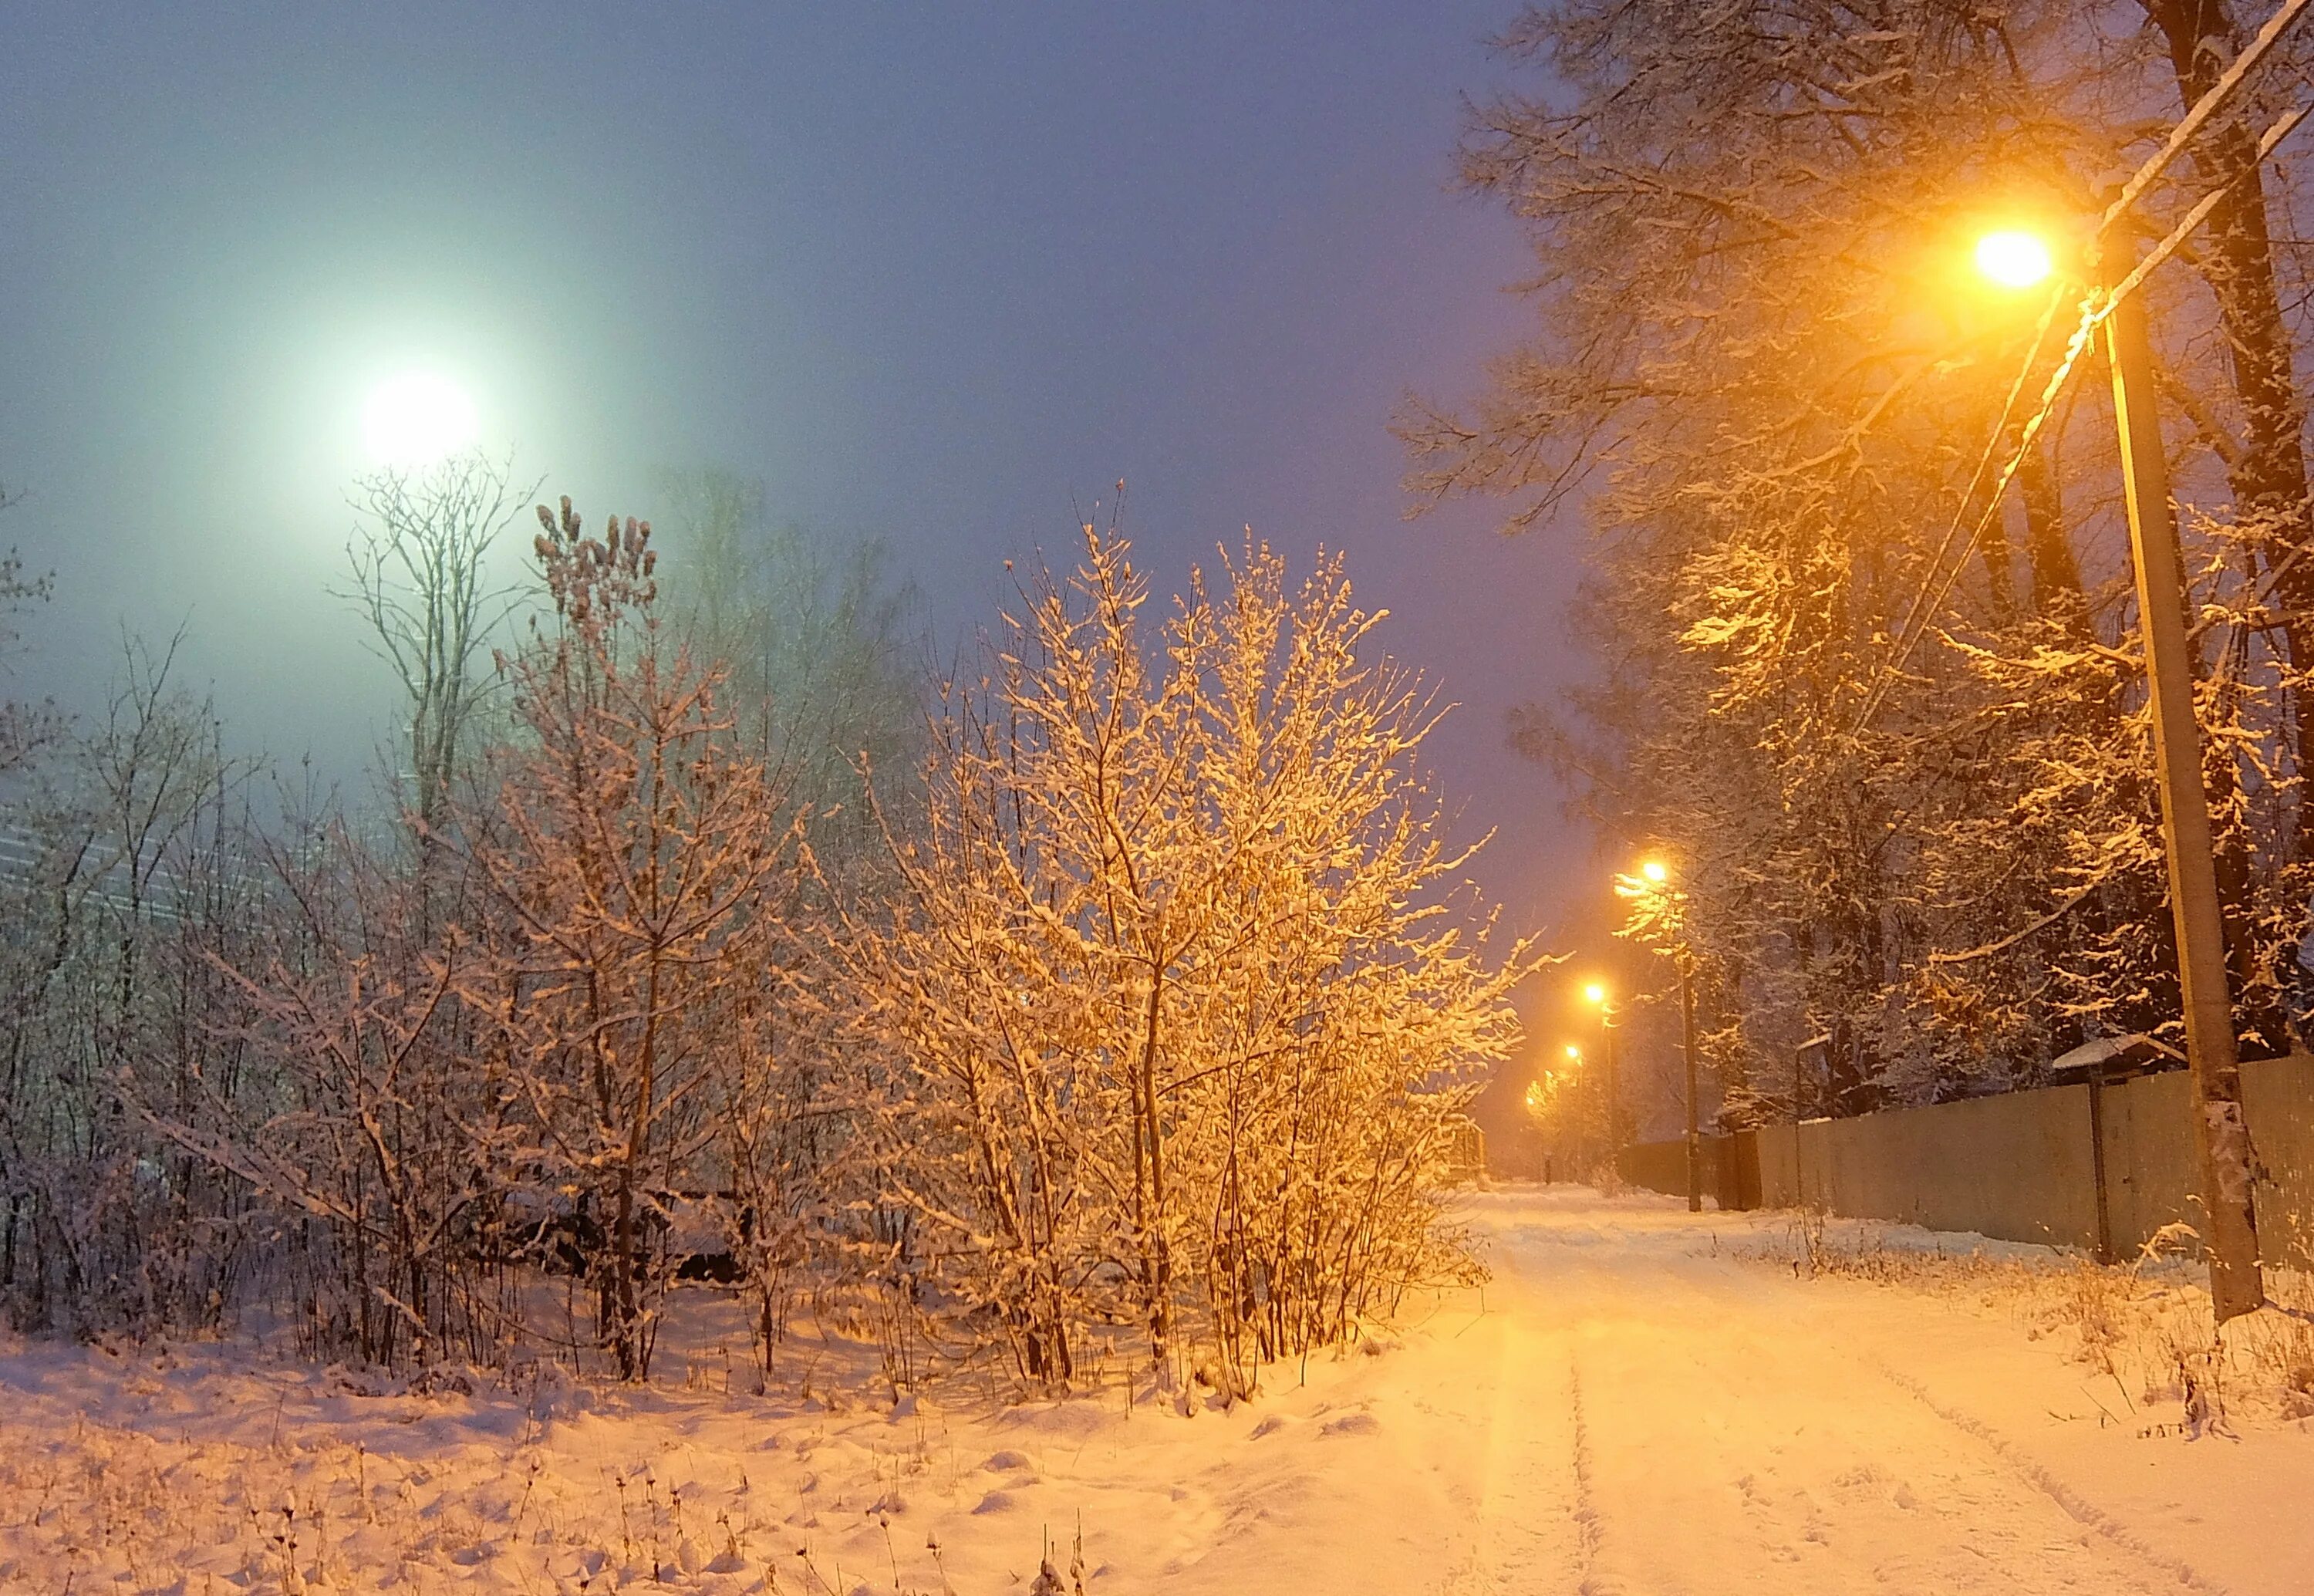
{"x": 1640, "y": 1401}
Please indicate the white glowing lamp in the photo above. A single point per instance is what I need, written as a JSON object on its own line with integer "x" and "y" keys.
{"x": 418, "y": 419}
{"x": 2013, "y": 258}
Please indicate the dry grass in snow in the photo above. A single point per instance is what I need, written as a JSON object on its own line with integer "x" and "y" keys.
{"x": 2144, "y": 1327}
{"x": 193, "y": 1470}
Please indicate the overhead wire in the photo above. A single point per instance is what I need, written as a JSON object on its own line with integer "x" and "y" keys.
{"x": 2094, "y": 309}
{"x": 1905, "y": 635}
{"x": 2095, "y": 306}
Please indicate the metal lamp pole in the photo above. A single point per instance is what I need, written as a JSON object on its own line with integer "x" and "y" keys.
{"x": 1687, "y": 1042}
{"x": 1597, "y": 993}
{"x": 1614, "y": 1090}
{"x": 1651, "y": 887}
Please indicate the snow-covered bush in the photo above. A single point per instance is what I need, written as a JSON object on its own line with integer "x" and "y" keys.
{"x": 1178, "y": 1015}
{"x": 1160, "y": 1009}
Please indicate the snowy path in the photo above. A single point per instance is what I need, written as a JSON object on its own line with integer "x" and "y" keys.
{"x": 1711, "y": 1428}
{"x": 1635, "y": 1412}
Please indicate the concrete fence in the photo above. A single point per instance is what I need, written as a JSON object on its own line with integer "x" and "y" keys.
{"x": 2025, "y": 1166}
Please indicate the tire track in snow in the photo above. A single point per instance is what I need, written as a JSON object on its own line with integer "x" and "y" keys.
{"x": 1744, "y": 1460}
{"x": 2077, "y": 1507}
{"x": 1587, "y": 1526}
{"x": 2142, "y": 1566}
{"x": 1498, "y": 1439}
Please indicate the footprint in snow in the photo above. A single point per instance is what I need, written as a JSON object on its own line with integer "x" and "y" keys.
{"x": 1005, "y": 1460}
{"x": 1351, "y": 1424}
{"x": 996, "y": 1501}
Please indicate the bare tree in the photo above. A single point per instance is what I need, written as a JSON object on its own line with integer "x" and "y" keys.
{"x": 139, "y": 880}
{"x": 813, "y": 635}
{"x": 419, "y": 560}
{"x": 25, "y": 728}
{"x": 384, "y": 1112}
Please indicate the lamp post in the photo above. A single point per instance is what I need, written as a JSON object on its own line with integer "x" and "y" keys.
{"x": 1539, "y": 1096}
{"x": 1687, "y": 1045}
{"x": 1575, "y": 1073}
{"x": 1657, "y": 923}
{"x": 1595, "y": 994}
{"x": 2221, "y": 1134}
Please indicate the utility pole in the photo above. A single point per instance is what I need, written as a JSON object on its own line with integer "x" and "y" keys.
{"x": 1687, "y": 1039}
{"x": 2221, "y": 1132}
{"x": 2221, "y": 1129}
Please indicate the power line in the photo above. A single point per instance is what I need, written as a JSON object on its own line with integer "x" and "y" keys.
{"x": 2095, "y": 308}
{"x": 2200, "y": 113}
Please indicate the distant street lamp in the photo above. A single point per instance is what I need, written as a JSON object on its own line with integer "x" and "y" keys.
{"x": 1595, "y": 994}
{"x": 2018, "y": 259}
{"x": 1577, "y": 1076}
{"x": 1652, "y": 887}
{"x": 1541, "y": 1095}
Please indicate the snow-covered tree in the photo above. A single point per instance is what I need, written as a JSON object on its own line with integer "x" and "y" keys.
{"x": 631, "y": 848}
{"x": 1858, "y": 596}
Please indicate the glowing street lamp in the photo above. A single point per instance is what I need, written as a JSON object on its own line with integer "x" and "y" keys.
{"x": 1595, "y": 994}
{"x": 1660, "y": 906}
{"x": 2013, "y": 258}
{"x": 1543, "y": 1097}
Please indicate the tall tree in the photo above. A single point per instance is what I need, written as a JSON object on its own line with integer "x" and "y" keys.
{"x": 420, "y": 560}
{"x": 633, "y": 848}
{"x": 1813, "y": 459}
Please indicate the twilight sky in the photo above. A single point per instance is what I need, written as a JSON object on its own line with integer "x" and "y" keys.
{"x": 937, "y": 273}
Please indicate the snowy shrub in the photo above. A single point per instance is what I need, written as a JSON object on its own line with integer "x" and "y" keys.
{"x": 1160, "y": 1009}
{"x": 1178, "y": 1018}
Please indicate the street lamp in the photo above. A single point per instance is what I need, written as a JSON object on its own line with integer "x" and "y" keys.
{"x": 1653, "y": 884}
{"x": 2018, "y": 259}
{"x": 2013, "y": 258}
{"x": 1595, "y": 994}
{"x": 1540, "y": 1096}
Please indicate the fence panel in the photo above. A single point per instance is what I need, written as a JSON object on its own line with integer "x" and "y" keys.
{"x": 2021, "y": 1166}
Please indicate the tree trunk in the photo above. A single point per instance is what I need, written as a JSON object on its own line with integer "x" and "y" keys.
{"x": 1156, "y": 1259}
{"x": 2268, "y": 477}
